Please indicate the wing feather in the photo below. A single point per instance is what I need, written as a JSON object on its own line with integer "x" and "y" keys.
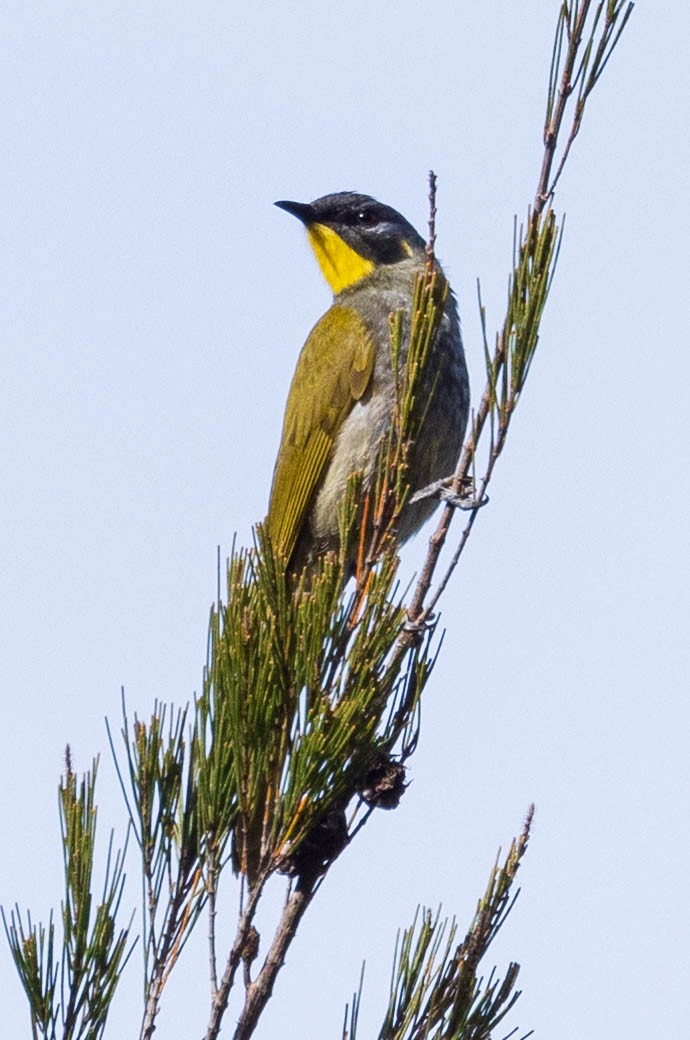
{"x": 333, "y": 371}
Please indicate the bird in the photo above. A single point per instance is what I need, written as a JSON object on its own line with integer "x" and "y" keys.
{"x": 342, "y": 396}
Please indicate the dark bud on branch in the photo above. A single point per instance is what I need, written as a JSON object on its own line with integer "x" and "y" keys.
{"x": 322, "y": 845}
{"x": 383, "y": 785}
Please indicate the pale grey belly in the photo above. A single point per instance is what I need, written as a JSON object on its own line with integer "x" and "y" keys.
{"x": 359, "y": 442}
{"x": 355, "y": 451}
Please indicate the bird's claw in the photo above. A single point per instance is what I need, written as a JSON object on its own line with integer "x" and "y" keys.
{"x": 464, "y": 498}
{"x": 417, "y": 628}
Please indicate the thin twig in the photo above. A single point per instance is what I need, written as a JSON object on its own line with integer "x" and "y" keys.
{"x": 419, "y": 611}
{"x": 431, "y": 241}
{"x": 167, "y": 951}
{"x": 211, "y": 889}
{"x": 546, "y": 187}
{"x": 159, "y": 973}
{"x": 416, "y": 610}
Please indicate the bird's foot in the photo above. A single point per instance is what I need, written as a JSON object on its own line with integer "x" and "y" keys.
{"x": 464, "y": 498}
{"x": 417, "y": 627}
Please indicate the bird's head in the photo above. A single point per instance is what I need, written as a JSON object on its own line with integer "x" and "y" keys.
{"x": 353, "y": 234}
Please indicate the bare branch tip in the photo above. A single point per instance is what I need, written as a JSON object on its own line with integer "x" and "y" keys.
{"x": 431, "y": 243}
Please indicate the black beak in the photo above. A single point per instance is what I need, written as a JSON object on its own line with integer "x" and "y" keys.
{"x": 302, "y": 210}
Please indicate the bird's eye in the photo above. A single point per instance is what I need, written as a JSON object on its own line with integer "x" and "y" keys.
{"x": 367, "y": 218}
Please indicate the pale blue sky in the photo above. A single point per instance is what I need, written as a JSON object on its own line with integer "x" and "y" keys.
{"x": 153, "y": 305}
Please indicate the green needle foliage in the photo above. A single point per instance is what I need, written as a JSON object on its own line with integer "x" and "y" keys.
{"x": 310, "y": 702}
{"x": 309, "y": 696}
{"x": 436, "y": 992}
{"x": 70, "y": 992}
{"x": 534, "y": 261}
{"x": 305, "y": 683}
{"x": 161, "y": 797}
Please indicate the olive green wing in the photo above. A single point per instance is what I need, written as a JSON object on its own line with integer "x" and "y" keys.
{"x": 333, "y": 371}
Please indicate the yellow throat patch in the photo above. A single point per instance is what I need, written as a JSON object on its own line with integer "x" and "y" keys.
{"x": 340, "y": 264}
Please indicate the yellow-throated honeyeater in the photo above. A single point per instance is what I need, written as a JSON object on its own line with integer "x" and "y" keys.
{"x": 342, "y": 395}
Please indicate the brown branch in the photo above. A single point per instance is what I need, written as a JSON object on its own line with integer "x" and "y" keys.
{"x": 259, "y": 992}
{"x": 244, "y": 928}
